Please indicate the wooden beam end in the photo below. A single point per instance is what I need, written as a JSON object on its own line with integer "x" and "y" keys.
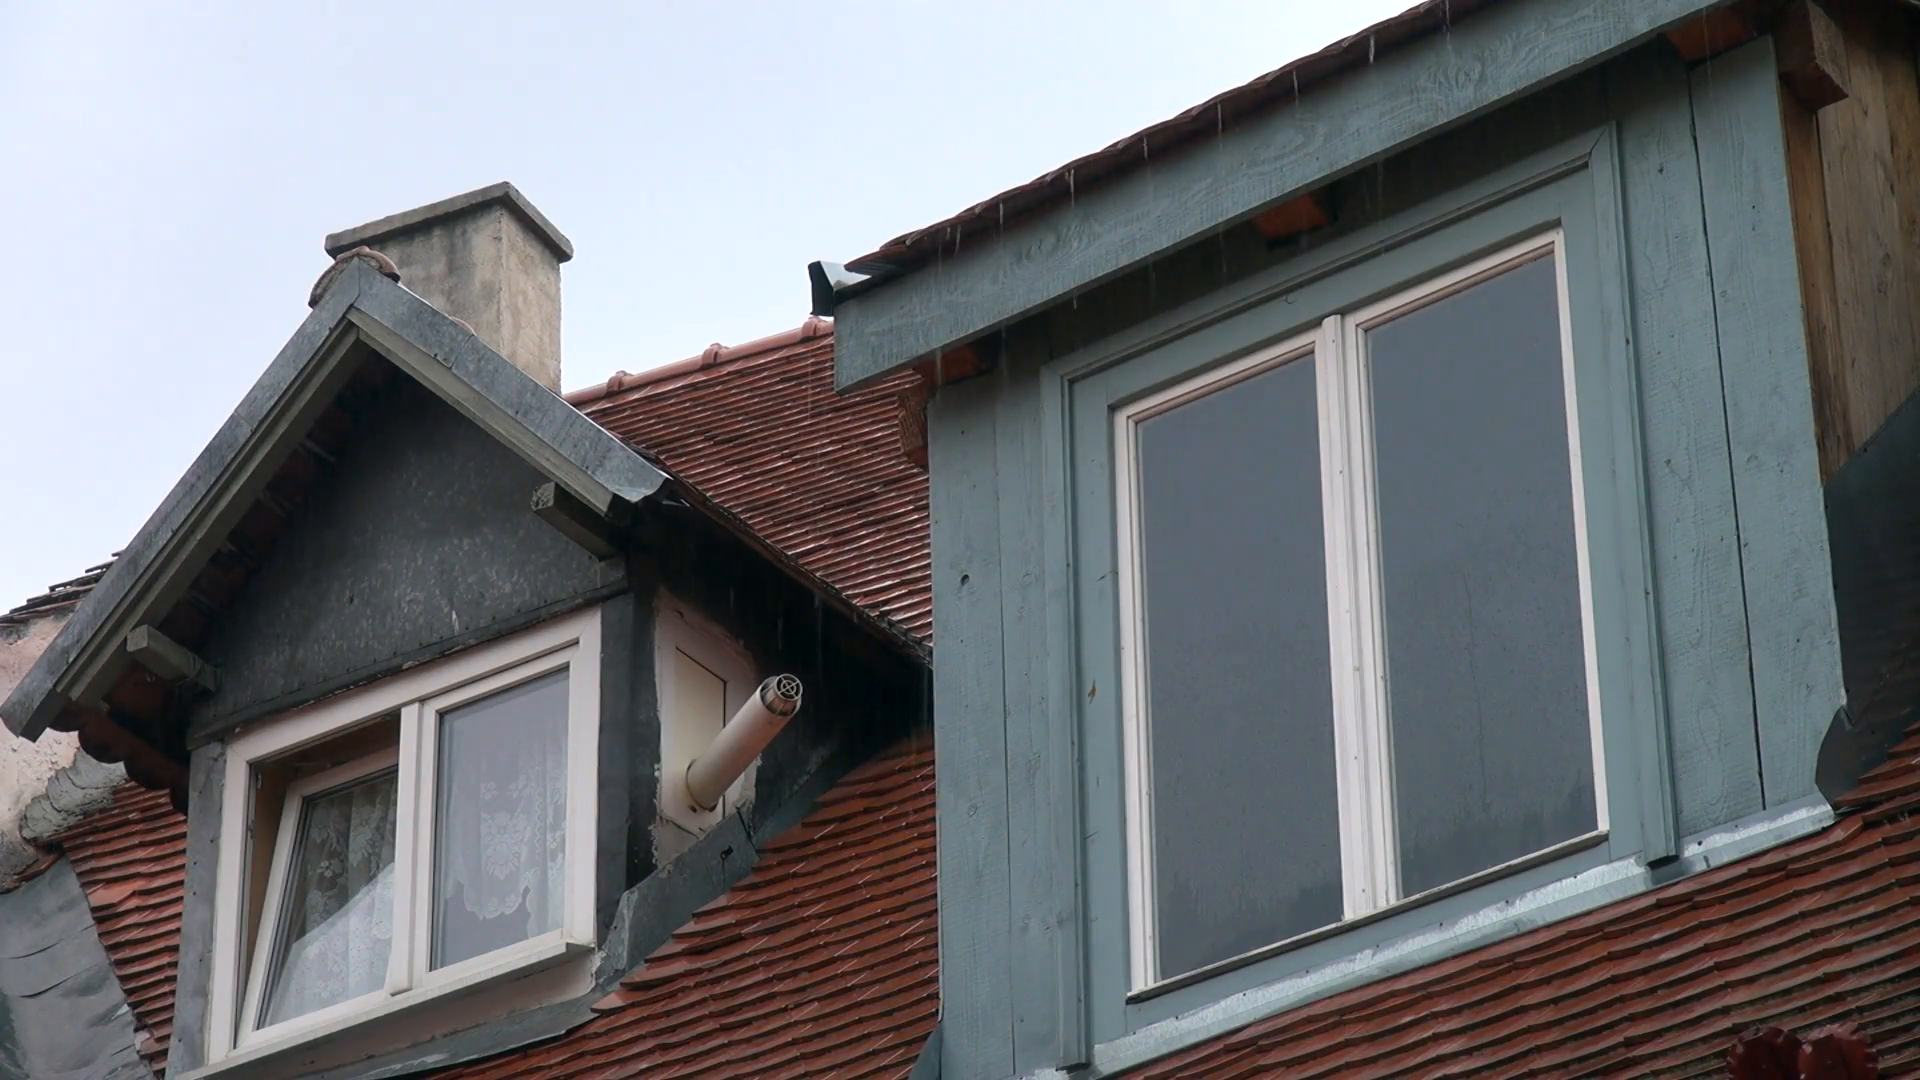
{"x": 575, "y": 520}
{"x": 1812, "y": 55}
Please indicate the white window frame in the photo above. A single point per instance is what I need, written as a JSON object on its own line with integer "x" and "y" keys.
{"x": 1356, "y": 624}
{"x": 270, "y": 919}
{"x": 419, "y": 696}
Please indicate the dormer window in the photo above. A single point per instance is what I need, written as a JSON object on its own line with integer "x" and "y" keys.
{"x": 422, "y": 835}
{"x": 1356, "y": 630}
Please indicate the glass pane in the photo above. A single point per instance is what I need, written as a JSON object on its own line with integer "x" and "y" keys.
{"x": 336, "y": 915}
{"x": 1245, "y": 834}
{"x": 1485, "y": 657}
{"x": 500, "y": 820}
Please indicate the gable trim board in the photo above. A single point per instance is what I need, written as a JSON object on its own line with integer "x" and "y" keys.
{"x": 203, "y": 506}
{"x": 1360, "y": 117}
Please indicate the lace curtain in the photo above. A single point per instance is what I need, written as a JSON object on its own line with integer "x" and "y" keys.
{"x": 501, "y": 821}
{"x": 337, "y": 911}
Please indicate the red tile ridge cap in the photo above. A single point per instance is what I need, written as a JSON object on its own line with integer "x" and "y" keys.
{"x": 716, "y": 353}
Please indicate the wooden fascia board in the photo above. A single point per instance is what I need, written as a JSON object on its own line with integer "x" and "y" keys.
{"x": 1360, "y": 117}
{"x": 156, "y": 566}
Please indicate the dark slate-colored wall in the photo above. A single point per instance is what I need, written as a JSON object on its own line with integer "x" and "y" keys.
{"x": 1873, "y": 525}
{"x": 860, "y": 694}
{"x": 419, "y": 541}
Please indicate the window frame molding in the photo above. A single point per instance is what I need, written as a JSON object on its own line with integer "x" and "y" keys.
{"x": 1356, "y": 626}
{"x": 1573, "y": 186}
{"x": 572, "y": 641}
{"x": 293, "y": 805}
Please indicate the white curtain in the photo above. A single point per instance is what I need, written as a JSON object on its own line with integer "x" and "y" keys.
{"x": 337, "y": 910}
{"x": 501, "y": 824}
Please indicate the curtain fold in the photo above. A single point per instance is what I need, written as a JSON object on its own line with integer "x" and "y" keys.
{"x": 337, "y": 909}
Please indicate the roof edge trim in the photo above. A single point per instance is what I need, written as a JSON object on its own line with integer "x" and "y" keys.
{"x": 1361, "y": 116}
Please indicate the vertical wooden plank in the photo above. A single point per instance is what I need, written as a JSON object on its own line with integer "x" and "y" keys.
{"x": 970, "y": 732}
{"x": 1813, "y": 247}
{"x": 1874, "y": 270}
{"x": 1763, "y": 373}
{"x": 1696, "y": 570}
{"x": 1041, "y": 841}
{"x": 191, "y": 985}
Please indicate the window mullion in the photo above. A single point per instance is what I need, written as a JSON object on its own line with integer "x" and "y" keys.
{"x": 418, "y": 918}
{"x": 407, "y": 849}
{"x": 1345, "y": 623}
{"x": 1373, "y": 712}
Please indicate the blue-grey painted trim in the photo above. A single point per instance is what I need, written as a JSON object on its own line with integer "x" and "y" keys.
{"x": 1797, "y": 681}
{"x": 1694, "y": 548}
{"x": 927, "y": 1065}
{"x": 1042, "y": 796}
{"x": 1360, "y": 117}
{"x": 157, "y": 565}
{"x": 970, "y": 734}
{"x": 1595, "y": 888}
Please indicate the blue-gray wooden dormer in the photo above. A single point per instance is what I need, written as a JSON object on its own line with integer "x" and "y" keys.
{"x": 1313, "y": 474}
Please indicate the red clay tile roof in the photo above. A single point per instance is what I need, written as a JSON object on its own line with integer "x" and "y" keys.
{"x": 821, "y": 476}
{"x": 131, "y": 860}
{"x": 822, "y": 962}
{"x": 59, "y": 596}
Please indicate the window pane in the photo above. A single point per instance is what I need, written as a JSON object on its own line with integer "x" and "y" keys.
{"x": 1245, "y": 833}
{"x": 1485, "y": 657}
{"x": 500, "y": 822}
{"x": 336, "y": 915}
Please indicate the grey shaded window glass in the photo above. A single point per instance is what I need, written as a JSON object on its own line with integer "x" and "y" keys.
{"x": 1485, "y": 657}
{"x": 500, "y": 820}
{"x": 1240, "y": 715}
{"x": 336, "y": 914}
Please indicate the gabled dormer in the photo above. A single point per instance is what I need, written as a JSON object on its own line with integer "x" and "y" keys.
{"x": 442, "y": 672}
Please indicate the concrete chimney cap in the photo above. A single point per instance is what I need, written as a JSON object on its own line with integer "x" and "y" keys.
{"x": 501, "y": 194}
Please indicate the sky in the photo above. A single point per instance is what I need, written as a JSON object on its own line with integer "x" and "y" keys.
{"x": 167, "y": 173}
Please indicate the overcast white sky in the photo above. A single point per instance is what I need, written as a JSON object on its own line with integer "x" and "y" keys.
{"x": 167, "y": 173}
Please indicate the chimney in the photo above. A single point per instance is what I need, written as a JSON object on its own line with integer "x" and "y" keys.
{"x": 487, "y": 258}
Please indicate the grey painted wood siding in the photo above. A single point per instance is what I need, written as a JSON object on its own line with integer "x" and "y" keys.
{"x": 1797, "y": 681}
{"x": 1724, "y": 448}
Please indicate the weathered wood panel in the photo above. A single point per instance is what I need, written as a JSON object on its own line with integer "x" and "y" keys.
{"x": 970, "y": 733}
{"x": 1763, "y": 374}
{"x": 1857, "y": 224}
{"x": 1042, "y": 841}
{"x": 1696, "y": 559}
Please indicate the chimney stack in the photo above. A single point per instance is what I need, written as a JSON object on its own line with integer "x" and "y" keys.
{"x": 487, "y": 258}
